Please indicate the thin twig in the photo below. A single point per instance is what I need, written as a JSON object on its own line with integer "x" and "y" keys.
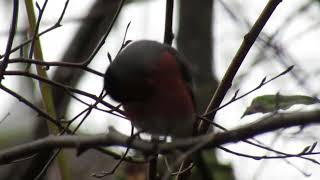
{"x": 262, "y": 83}
{"x": 114, "y": 138}
{"x": 32, "y": 106}
{"x": 168, "y": 34}
{"x": 13, "y": 27}
{"x": 69, "y": 89}
{"x": 132, "y": 159}
{"x": 21, "y": 160}
{"x": 90, "y": 108}
{"x": 261, "y": 157}
{"x": 103, "y": 39}
{"x": 260, "y": 144}
{"x": 236, "y": 62}
{"x": 56, "y": 25}
{"x": 36, "y": 29}
{"x": 56, "y": 153}
{"x": 110, "y": 111}
{"x": 54, "y": 83}
{"x": 5, "y": 117}
{"x": 46, "y": 166}
{"x": 269, "y": 41}
{"x": 113, "y": 170}
{"x": 57, "y": 63}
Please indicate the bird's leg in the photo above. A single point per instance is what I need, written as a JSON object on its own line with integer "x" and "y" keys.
{"x": 153, "y": 162}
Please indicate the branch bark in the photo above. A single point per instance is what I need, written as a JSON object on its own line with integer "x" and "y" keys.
{"x": 114, "y": 138}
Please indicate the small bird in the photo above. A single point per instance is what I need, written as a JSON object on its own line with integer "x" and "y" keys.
{"x": 153, "y": 83}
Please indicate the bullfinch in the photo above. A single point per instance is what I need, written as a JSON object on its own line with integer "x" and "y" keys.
{"x": 153, "y": 83}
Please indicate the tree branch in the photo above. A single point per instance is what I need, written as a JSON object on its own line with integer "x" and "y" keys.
{"x": 114, "y": 138}
{"x": 168, "y": 34}
{"x": 13, "y": 27}
{"x": 236, "y": 62}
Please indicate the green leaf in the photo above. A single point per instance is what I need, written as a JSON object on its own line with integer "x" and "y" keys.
{"x": 271, "y": 103}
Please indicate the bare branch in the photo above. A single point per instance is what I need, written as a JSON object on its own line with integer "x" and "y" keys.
{"x": 13, "y": 27}
{"x": 37, "y": 25}
{"x": 114, "y": 138}
{"x": 168, "y": 34}
{"x": 102, "y": 41}
{"x": 57, "y": 84}
{"x": 235, "y": 97}
{"x": 247, "y": 43}
{"x": 59, "y": 64}
{"x": 56, "y": 25}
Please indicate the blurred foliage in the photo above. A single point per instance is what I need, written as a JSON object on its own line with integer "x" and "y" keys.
{"x": 316, "y": 1}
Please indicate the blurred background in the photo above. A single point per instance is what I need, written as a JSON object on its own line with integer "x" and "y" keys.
{"x": 208, "y": 32}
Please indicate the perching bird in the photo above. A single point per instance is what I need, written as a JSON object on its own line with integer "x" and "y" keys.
{"x": 153, "y": 83}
